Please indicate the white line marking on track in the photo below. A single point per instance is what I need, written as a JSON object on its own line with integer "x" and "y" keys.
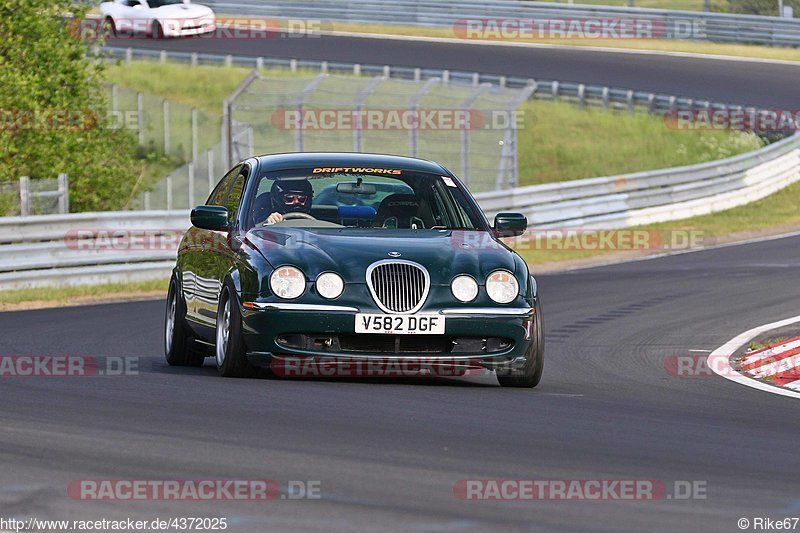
{"x": 721, "y": 365}
{"x": 701, "y": 351}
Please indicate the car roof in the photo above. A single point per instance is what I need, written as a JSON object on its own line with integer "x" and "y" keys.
{"x": 347, "y": 159}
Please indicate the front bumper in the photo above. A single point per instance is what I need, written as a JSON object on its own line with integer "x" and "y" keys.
{"x": 485, "y": 337}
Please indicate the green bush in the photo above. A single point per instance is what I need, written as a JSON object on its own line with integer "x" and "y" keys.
{"x": 46, "y": 71}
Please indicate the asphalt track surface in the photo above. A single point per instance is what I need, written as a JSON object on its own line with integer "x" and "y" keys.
{"x": 739, "y": 82}
{"x": 388, "y": 453}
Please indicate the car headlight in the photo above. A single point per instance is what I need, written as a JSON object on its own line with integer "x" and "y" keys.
{"x": 464, "y": 288}
{"x": 502, "y": 286}
{"x": 330, "y": 285}
{"x": 287, "y": 282}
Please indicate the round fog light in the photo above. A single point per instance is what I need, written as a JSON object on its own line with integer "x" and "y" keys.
{"x": 330, "y": 285}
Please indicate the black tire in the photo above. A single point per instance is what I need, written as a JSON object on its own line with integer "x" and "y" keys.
{"x": 531, "y": 373}
{"x": 230, "y": 351}
{"x": 156, "y": 31}
{"x": 178, "y": 346}
{"x": 109, "y": 28}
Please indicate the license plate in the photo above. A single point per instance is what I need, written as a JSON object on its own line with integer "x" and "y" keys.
{"x": 400, "y": 324}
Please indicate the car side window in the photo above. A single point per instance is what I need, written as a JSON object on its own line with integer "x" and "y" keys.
{"x": 235, "y": 196}
{"x": 220, "y": 193}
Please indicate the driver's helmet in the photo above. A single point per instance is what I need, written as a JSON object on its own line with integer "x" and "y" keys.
{"x": 291, "y": 196}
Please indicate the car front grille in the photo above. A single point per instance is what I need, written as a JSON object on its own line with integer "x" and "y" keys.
{"x": 398, "y": 286}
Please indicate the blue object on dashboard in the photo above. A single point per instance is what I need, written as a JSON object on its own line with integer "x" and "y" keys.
{"x": 357, "y": 211}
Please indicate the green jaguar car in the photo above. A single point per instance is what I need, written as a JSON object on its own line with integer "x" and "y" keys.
{"x": 350, "y": 257}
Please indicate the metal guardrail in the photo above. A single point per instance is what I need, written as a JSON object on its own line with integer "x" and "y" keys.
{"x": 717, "y": 27}
{"x": 50, "y": 250}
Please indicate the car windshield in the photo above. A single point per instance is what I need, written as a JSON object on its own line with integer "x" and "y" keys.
{"x": 364, "y": 198}
{"x": 159, "y": 3}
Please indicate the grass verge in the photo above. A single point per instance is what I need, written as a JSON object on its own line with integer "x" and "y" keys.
{"x": 80, "y": 295}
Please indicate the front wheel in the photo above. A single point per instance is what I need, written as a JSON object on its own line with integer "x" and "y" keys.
{"x": 157, "y": 31}
{"x": 531, "y": 372}
{"x": 178, "y": 346}
{"x": 230, "y": 351}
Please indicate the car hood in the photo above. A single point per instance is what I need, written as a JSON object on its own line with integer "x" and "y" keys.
{"x": 181, "y": 11}
{"x": 445, "y": 253}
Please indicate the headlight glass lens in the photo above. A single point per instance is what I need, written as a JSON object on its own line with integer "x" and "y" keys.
{"x": 502, "y": 286}
{"x": 330, "y": 285}
{"x": 287, "y": 282}
{"x": 464, "y": 288}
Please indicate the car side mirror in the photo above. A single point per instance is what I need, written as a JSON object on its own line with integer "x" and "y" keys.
{"x": 212, "y": 217}
{"x": 510, "y": 224}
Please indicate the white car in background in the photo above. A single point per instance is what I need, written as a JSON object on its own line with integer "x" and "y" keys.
{"x": 157, "y": 18}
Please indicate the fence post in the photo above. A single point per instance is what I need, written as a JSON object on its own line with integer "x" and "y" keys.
{"x": 191, "y": 184}
{"x": 165, "y": 107}
{"x": 194, "y": 134}
{"x": 169, "y": 193}
{"x": 210, "y": 156}
{"x": 114, "y": 99}
{"x": 24, "y": 196}
{"x": 63, "y": 194}
{"x": 140, "y": 116}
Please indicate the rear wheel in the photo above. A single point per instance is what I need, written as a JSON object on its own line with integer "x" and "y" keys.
{"x": 178, "y": 346}
{"x": 531, "y": 372}
{"x": 230, "y": 351}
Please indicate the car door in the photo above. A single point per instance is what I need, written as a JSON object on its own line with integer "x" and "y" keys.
{"x": 219, "y": 254}
{"x": 194, "y": 247}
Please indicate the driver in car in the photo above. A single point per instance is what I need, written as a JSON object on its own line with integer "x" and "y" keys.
{"x": 290, "y": 196}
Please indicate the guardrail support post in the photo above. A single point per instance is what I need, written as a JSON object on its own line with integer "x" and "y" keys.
{"x": 293, "y": 65}
{"x": 259, "y": 63}
{"x": 24, "y": 196}
{"x": 63, "y": 194}
{"x": 554, "y": 90}
{"x": 128, "y": 55}
{"x": 581, "y": 96}
{"x": 605, "y": 97}
{"x": 162, "y": 56}
{"x": 357, "y": 69}
{"x": 228, "y": 60}
{"x": 323, "y": 67}
{"x": 147, "y": 200}
{"x": 386, "y": 71}
{"x": 629, "y": 102}
{"x": 165, "y": 108}
{"x": 417, "y": 74}
{"x": 445, "y": 77}
{"x": 194, "y": 59}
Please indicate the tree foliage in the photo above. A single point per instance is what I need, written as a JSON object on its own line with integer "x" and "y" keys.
{"x": 53, "y": 112}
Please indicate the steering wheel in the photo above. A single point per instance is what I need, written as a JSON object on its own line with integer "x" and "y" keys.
{"x": 298, "y": 214}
